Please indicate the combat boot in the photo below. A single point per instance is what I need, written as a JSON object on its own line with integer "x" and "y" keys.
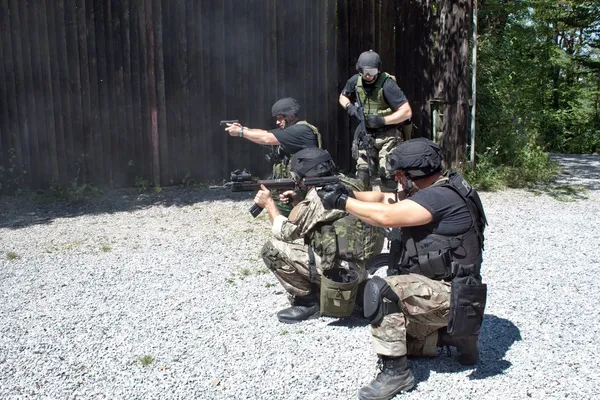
{"x": 467, "y": 346}
{"x": 395, "y": 377}
{"x": 302, "y": 308}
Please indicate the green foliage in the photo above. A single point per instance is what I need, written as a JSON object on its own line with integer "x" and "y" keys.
{"x": 538, "y": 85}
{"x": 11, "y": 255}
{"x": 146, "y": 360}
{"x": 513, "y": 167}
{"x": 144, "y": 185}
{"x": 188, "y": 182}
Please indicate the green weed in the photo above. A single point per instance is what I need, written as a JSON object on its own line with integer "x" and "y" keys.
{"x": 146, "y": 360}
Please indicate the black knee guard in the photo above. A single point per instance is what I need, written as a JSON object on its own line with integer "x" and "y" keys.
{"x": 376, "y": 289}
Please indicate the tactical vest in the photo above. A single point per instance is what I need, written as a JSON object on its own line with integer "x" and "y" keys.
{"x": 347, "y": 238}
{"x": 374, "y": 102}
{"x": 315, "y": 131}
{"x": 281, "y": 168}
{"x": 432, "y": 255}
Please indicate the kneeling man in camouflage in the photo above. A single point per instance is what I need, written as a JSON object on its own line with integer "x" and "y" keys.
{"x": 321, "y": 271}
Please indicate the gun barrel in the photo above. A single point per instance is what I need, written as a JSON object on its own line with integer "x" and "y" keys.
{"x": 228, "y": 121}
{"x": 271, "y": 184}
{"x": 321, "y": 181}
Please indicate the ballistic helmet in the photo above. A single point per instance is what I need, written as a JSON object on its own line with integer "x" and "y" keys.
{"x": 417, "y": 157}
{"x": 286, "y": 106}
{"x": 367, "y": 60}
{"x": 311, "y": 162}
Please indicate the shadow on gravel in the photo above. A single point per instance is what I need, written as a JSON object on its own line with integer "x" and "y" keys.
{"x": 496, "y": 337}
{"x": 579, "y": 170}
{"x": 26, "y": 210}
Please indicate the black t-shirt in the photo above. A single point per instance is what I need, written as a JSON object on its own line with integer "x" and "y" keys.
{"x": 392, "y": 93}
{"x": 295, "y": 138}
{"x": 450, "y": 213}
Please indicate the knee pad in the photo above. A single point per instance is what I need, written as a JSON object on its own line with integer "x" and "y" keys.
{"x": 377, "y": 289}
{"x": 270, "y": 255}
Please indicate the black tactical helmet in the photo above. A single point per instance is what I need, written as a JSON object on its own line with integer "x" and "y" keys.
{"x": 369, "y": 59}
{"x": 286, "y": 106}
{"x": 311, "y": 162}
{"x": 417, "y": 157}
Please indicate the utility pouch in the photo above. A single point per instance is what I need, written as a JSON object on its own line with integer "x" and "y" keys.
{"x": 434, "y": 264}
{"x": 338, "y": 292}
{"x": 467, "y": 302}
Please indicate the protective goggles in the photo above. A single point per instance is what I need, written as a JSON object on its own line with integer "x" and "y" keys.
{"x": 368, "y": 72}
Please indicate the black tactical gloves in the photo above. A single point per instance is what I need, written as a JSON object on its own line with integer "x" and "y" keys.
{"x": 335, "y": 196}
{"x": 375, "y": 121}
{"x": 352, "y": 110}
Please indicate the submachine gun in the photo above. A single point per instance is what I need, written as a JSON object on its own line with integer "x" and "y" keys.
{"x": 242, "y": 181}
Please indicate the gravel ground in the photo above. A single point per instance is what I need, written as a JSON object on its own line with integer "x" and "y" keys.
{"x": 164, "y": 296}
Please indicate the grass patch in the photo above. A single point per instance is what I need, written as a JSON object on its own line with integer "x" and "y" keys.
{"x": 269, "y": 284}
{"x": 11, "y": 255}
{"x": 64, "y": 247}
{"x": 284, "y": 332}
{"x": 146, "y": 360}
{"x": 106, "y": 248}
{"x": 262, "y": 271}
{"x": 527, "y": 167}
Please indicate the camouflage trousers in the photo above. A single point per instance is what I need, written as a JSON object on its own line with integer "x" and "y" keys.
{"x": 289, "y": 263}
{"x": 384, "y": 143}
{"x": 425, "y": 306}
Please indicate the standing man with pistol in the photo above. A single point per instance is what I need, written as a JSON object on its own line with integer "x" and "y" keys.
{"x": 386, "y": 111}
{"x": 290, "y": 136}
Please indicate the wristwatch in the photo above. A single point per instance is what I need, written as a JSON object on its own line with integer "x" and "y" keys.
{"x": 241, "y": 132}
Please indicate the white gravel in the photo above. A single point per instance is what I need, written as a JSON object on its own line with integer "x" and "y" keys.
{"x": 176, "y": 277}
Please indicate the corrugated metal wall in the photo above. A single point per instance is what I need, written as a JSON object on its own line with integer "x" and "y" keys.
{"x": 109, "y": 90}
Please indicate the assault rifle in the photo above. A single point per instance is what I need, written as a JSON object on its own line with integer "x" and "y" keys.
{"x": 362, "y": 140}
{"x": 242, "y": 181}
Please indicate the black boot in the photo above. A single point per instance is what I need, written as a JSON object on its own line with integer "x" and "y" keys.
{"x": 302, "y": 308}
{"x": 395, "y": 377}
{"x": 466, "y": 346}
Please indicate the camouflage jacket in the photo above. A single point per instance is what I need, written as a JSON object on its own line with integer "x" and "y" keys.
{"x": 305, "y": 216}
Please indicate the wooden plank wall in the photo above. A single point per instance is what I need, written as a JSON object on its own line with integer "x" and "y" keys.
{"x": 110, "y": 91}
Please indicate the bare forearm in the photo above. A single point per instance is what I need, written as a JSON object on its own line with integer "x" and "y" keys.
{"x": 260, "y": 136}
{"x": 403, "y": 113}
{"x": 344, "y": 101}
{"x": 272, "y": 209}
{"x": 375, "y": 197}
{"x": 374, "y": 213}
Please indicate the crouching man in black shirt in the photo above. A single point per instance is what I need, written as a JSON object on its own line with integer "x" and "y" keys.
{"x": 442, "y": 221}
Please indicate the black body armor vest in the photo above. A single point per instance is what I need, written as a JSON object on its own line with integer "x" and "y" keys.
{"x": 431, "y": 254}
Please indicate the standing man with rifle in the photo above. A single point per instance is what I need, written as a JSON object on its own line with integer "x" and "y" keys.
{"x": 290, "y": 136}
{"x": 384, "y": 115}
